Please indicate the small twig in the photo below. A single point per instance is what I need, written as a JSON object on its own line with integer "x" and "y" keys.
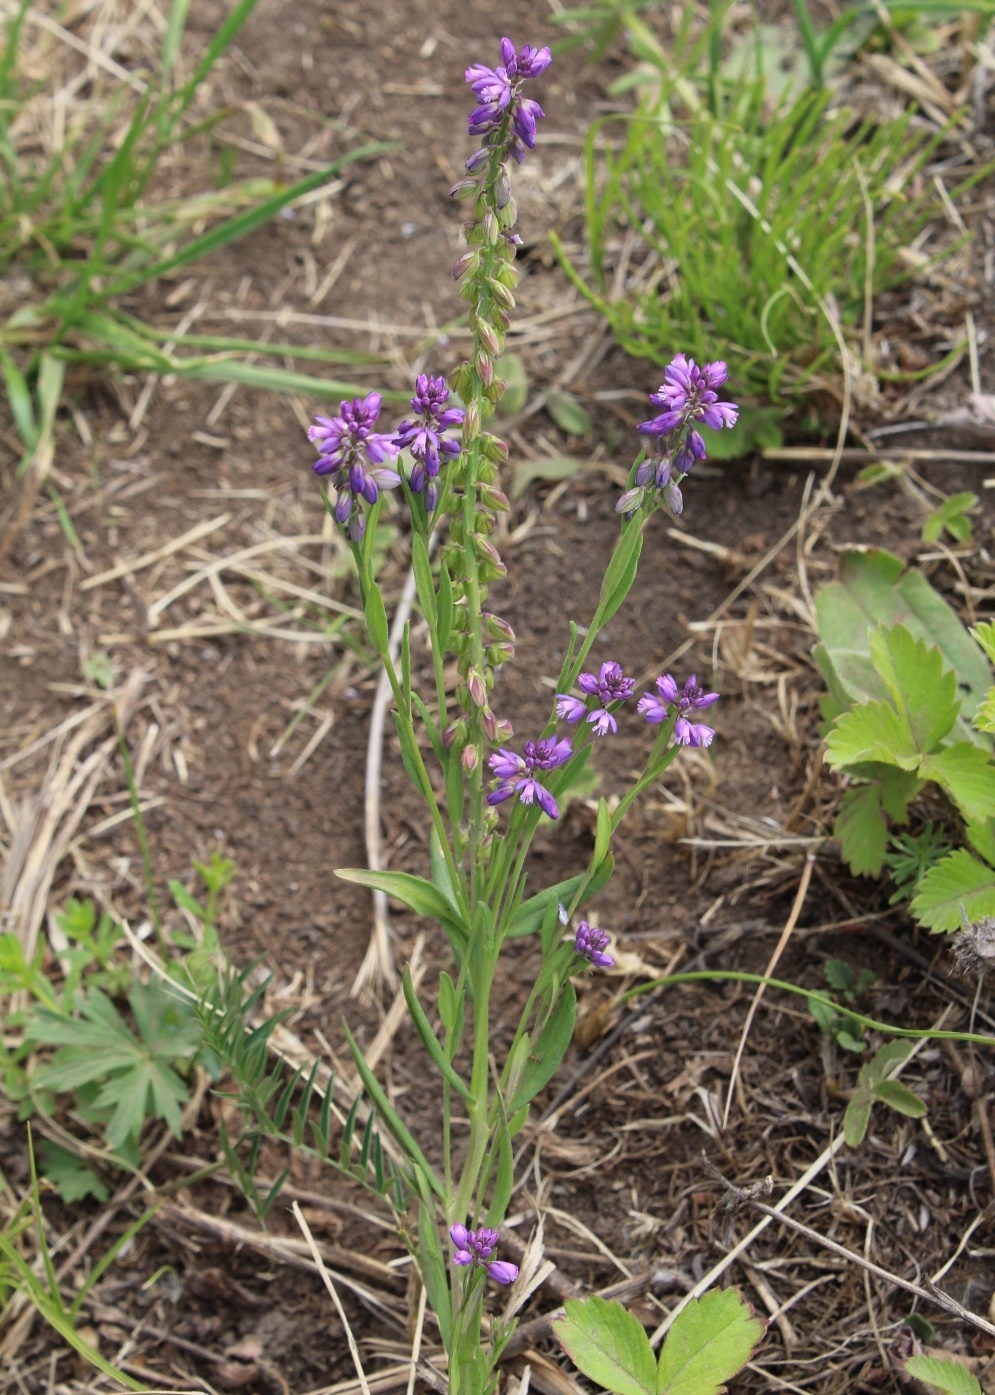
{"x": 326, "y": 1277}
{"x": 930, "y": 1293}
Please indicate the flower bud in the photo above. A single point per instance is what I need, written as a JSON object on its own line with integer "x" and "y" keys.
{"x": 487, "y": 473}
{"x": 675, "y": 499}
{"x": 497, "y": 627}
{"x": 629, "y": 501}
{"x": 495, "y": 499}
{"x": 471, "y": 422}
{"x": 497, "y": 654}
{"x": 478, "y": 159}
{"x": 463, "y": 264}
{"x": 458, "y": 733}
{"x": 493, "y": 447}
{"x": 502, "y": 188}
{"x": 486, "y": 550}
{"x": 508, "y": 215}
{"x": 488, "y": 336}
{"x": 490, "y": 724}
{"x": 468, "y": 758}
{"x": 490, "y": 226}
{"x": 484, "y": 365}
{"x": 464, "y": 189}
{"x": 476, "y": 688}
{"x": 502, "y": 296}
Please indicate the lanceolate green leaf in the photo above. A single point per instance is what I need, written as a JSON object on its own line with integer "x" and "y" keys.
{"x": 548, "y": 1051}
{"x": 709, "y": 1342}
{"x": 608, "y": 1345}
{"x": 419, "y": 895}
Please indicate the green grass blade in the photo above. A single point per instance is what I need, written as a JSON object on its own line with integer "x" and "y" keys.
{"x": 243, "y": 223}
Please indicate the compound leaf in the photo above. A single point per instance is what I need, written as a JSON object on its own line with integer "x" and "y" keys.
{"x": 968, "y": 775}
{"x": 872, "y": 732}
{"x": 922, "y": 691}
{"x": 900, "y": 1098}
{"x": 958, "y": 886}
{"x": 857, "y": 1117}
{"x": 709, "y": 1342}
{"x": 862, "y": 831}
{"x": 608, "y": 1345}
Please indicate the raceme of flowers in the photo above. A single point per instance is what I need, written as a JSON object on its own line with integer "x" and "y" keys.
{"x": 500, "y": 103}
{"x": 520, "y": 774}
{"x": 686, "y": 397}
{"x": 474, "y": 1249}
{"x": 610, "y": 686}
{"x": 425, "y": 436}
{"x": 688, "y": 730}
{"x": 591, "y": 943}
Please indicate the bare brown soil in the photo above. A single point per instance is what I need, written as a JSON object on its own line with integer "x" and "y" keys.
{"x": 707, "y": 870}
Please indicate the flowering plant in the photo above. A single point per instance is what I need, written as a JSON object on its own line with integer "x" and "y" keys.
{"x": 478, "y": 889}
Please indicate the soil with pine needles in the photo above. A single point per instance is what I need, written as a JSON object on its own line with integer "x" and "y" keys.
{"x": 234, "y": 752}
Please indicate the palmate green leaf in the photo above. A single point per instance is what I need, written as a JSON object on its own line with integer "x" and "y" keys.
{"x": 608, "y": 1345}
{"x": 948, "y": 1376}
{"x": 922, "y": 688}
{"x": 958, "y": 886}
{"x": 874, "y": 731}
{"x": 709, "y": 1342}
{"x": 968, "y": 776}
{"x": 862, "y": 831}
{"x": 69, "y": 1174}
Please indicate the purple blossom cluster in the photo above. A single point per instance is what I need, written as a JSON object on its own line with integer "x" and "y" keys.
{"x": 500, "y": 103}
{"x": 518, "y": 774}
{"x": 474, "y": 1249}
{"x": 656, "y": 708}
{"x": 609, "y": 686}
{"x": 354, "y": 455}
{"x": 425, "y": 436}
{"x": 591, "y": 943}
{"x": 686, "y": 398}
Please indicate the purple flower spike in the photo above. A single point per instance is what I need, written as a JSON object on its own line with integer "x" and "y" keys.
{"x": 499, "y": 95}
{"x": 517, "y": 774}
{"x": 425, "y": 437}
{"x": 591, "y": 943}
{"x": 686, "y": 398}
{"x": 655, "y": 707}
{"x": 473, "y": 1248}
{"x": 610, "y": 685}
{"x": 353, "y": 455}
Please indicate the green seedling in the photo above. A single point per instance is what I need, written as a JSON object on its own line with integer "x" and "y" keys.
{"x": 710, "y": 1340}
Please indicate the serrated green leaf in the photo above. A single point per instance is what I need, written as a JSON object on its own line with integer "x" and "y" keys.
{"x": 608, "y": 1345}
{"x": 959, "y": 885}
{"x": 922, "y": 688}
{"x": 947, "y": 1376}
{"x": 968, "y": 776}
{"x": 985, "y": 636}
{"x": 69, "y": 1175}
{"x": 984, "y": 718}
{"x": 709, "y": 1342}
{"x": 856, "y": 1118}
{"x": 898, "y": 789}
{"x": 900, "y": 1098}
{"x": 874, "y": 731}
{"x": 862, "y": 831}
{"x": 981, "y": 836}
{"x": 568, "y": 413}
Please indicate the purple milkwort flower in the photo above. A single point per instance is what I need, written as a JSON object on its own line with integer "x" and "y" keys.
{"x": 353, "y": 454}
{"x": 591, "y": 943}
{"x": 499, "y": 94}
{"x": 475, "y": 1247}
{"x": 425, "y": 437}
{"x": 690, "y": 698}
{"x": 610, "y": 685}
{"x": 517, "y": 774}
{"x": 687, "y": 394}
